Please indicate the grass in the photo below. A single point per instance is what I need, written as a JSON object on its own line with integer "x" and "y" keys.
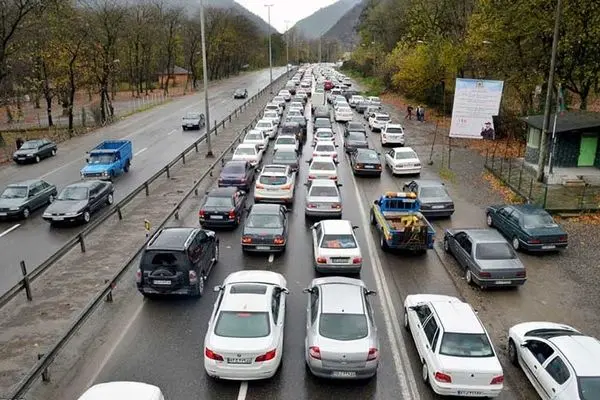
{"x": 373, "y": 85}
{"x": 447, "y": 174}
{"x": 145, "y": 108}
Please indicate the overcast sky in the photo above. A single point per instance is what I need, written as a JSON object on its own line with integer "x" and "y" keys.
{"x": 284, "y": 10}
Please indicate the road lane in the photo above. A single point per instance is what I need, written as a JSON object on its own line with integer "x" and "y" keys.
{"x": 33, "y": 241}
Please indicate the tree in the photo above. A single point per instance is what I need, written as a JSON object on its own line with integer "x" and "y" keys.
{"x": 170, "y": 23}
{"x": 192, "y": 47}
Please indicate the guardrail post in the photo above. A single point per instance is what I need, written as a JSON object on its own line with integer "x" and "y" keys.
{"x": 119, "y": 212}
{"x": 45, "y": 372}
{"x": 183, "y": 158}
{"x": 230, "y": 117}
{"x": 196, "y": 192}
{"x": 582, "y": 198}
{"x": 109, "y": 296}
{"x": 176, "y": 214}
{"x": 210, "y": 173}
{"x": 215, "y": 125}
{"x": 222, "y": 162}
{"x": 26, "y": 283}
{"x": 82, "y": 242}
{"x": 196, "y": 146}
{"x": 146, "y": 188}
{"x": 168, "y": 171}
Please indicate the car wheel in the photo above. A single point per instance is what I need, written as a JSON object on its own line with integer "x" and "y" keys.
{"x": 515, "y": 243}
{"x": 512, "y": 352}
{"x": 53, "y": 152}
{"x": 26, "y": 213}
{"x": 216, "y": 254}
{"x": 469, "y": 276}
{"x": 406, "y": 324}
{"x": 110, "y": 199}
{"x": 488, "y": 220}
{"x": 50, "y": 198}
{"x": 372, "y": 218}
{"x": 184, "y": 128}
{"x": 446, "y": 245}
{"x": 126, "y": 166}
{"x": 86, "y": 216}
{"x": 201, "y": 285}
{"x": 37, "y": 159}
{"x": 425, "y": 373}
{"x": 382, "y": 243}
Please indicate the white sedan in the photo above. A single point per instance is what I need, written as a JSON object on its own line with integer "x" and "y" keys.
{"x": 123, "y": 390}
{"x": 244, "y": 340}
{"x": 335, "y": 247}
{"x": 560, "y": 362}
{"x": 322, "y": 168}
{"x": 268, "y": 127}
{"x": 403, "y": 161}
{"x": 275, "y": 185}
{"x": 378, "y": 121}
{"x": 255, "y": 136}
{"x": 274, "y": 107}
{"x": 455, "y": 351}
{"x": 286, "y": 142}
{"x": 248, "y": 152}
{"x": 273, "y": 116}
{"x": 325, "y": 149}
{"x": 323, "y": 134}
{"x": 343, "y": 114}
{"x": 285, "y": 94}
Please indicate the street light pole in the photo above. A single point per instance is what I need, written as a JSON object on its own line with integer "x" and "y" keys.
{"x": 546, "y": 121}
{"x": 270, "y": 50}
{"x": 209, "y": 152}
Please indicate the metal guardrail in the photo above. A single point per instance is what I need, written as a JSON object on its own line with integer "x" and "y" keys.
{"x": 41, "y": 368}
{"x": 79, "y": 239}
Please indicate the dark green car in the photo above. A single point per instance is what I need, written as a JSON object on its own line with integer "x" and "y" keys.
{"x": 19, "y": 200}
{"x": 527, "y": 227}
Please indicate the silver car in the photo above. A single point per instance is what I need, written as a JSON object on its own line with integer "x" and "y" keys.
{"x": 323, "y": 199}
{"x": 341, "y": 337}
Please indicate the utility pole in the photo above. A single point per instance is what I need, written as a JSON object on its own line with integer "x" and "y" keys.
{"x": 287, "y": 48}
{"x": 270, "y": 50}
{"x": 209, "y": 152}
{"x": 546, "y": 122}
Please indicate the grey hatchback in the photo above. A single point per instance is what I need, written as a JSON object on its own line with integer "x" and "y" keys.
{"x": 341, "y": 336}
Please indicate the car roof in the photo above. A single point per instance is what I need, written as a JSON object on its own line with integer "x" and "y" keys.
{"x": 261, "y": 208}
{"x": 484, "y": 235}
{"x": 246, "y": 145}
{"x": 395, "y": 126}
{"x": 324, "y": 143}
{"x": 381, "y": 115}
{"x": 290, "y": 123}
{"x": 256, "y": 276}
{"x": 323, "y": 183}
{"x": 264, "y": 120}
{"x": 86, "y": 184}
{"x": 336, "y": 226}
{"x": 322, "y": 159}
{"x": 341, "y": 298}
{"x": 27, "y": 182}
{"x": 529, "y": 209}
{"x": 223, "y": 192}
{"x": 428, "y": 182}
{"x": 581, "y": 352}
{"x": 171, "y": 239}
{"x": 122, "y": 391}
{"x": 236, "y": 162}
{"x": 404, "y": 150}
{"x": 457, "y": 317}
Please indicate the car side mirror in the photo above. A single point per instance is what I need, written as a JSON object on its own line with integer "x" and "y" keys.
{"x": 336, "y": 145}
{"x": 217, "y": 288}
{"x": 354, "y": 226}
{"x": 207, "y": 192}
{"x": 339, "y": 185}
{"x": 370, "y": 292}
{"x": 285, "y": 290}
{"x": 376, "y": 202}
{"x": 307, "y": 290}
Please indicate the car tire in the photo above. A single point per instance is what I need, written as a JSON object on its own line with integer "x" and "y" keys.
{"x": 184, "y": 128}
{"x": 110, "y": 199}
{"x": 512, "y": 353}
{"x": 446, "y": 245}
{"x": 469, "y": 276}
{"x": 53, "y": 152}
{"x": 515, "y": 243}
{"x": 406, "y": 324}
{"x": 37, "y": 159}
{"x": 488, "y": 220}
{"x": 127, "y": 166}
{"x": 25, "y": 213}
{"x": 372, "y": 218}
{"x": 382, "y": 243}
{"x": 200, "y": 286}
{"x": 86, "y": 217}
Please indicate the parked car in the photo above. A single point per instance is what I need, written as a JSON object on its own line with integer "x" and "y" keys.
{"x": 19, "y": 200}
{"x": 240, "y": 94}
{"x": 528, "y": 227}
{"x": 323, "y": 199}
{"x": 365, "y": 162}
{"x": 35, "y": 151}
{"x": 341, "y": 335}
{"x": 433, "y": 196}
{"x": 241, "y": 343}
{"x": 286, "y": 157}
{"x": 376, "y": 101}
{"x": 276, "y": 185}
{"x": 77, "y": 202}
{"x": 239, "y": 174}
{"x": 455, "y": 350}
{"x": 193, "y": 120}
{"x": 222, "y": 207}
{"x": 487, "y": 258}
{"x": 335, "y": 247}
{"x": 265, "y": 229}
{"x": 403, "y": 161}
{"x": 177, "y": 261}
{"x": 248, "y": 152}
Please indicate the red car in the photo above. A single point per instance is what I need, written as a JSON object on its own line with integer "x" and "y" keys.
{"x": 328, "y": 85}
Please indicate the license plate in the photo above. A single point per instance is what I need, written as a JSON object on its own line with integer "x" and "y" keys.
{"x": 339, "y": 260}
{"x": 58, "y": 218}
{"x": 216, "y": 217}
{"x": 437, "y": 207}
{"x": 502, "y": 282}
{"x": 469, "y": 393}
{"x": 272, "y": 189}
{"x": 20, "y": 158}
{"x": 3, "y": 214}
{"x": 239, "y": 360}
{"x": 370, "y": 166}
{"x": 190, "y": 125}
{"x": 263, "y": 248}
{"x": 344, "y": 374}
{"x": 162, "y": 282}
{"x": 550, "y": 247}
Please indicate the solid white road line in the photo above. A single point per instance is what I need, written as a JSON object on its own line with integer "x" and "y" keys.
{"x": 140, "y": 152}
{"x": 9, "y": 230}
{"x": 243, "y": 391}
{"x": 271, "y": 258}
{"x": 172, "y": 132}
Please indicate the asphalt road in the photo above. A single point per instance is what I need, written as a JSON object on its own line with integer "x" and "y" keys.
{"x": 157, "y": 138}
{"x": 161, "y": 341}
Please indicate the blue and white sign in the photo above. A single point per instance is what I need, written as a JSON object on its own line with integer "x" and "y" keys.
{"x": 475, "y": 103}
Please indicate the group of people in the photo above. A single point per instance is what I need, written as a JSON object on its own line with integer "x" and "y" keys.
{"x": 420, "y": 113}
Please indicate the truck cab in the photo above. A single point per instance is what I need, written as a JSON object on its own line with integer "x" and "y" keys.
{"x": 109, "y": 159}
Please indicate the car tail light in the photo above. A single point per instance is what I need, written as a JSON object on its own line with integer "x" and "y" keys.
{"x": 212, "y": 355}
{"x": 356, "y": 260}
{"x": 378, "y": 166}
{"x": 360, "y": 165}
{"x": 334, "y": 155}
{"x": 321, "y": 260}
{"x": 312, "y": 205}
{"x": 231, "y": 214}
{"x": 138, "y": 276}
{"x": 442, "y": 377}
{"x": 259, "y": 186}
{"x": 202, "y": 214}
{"x": 221, "y": 180}
{"x": 383, "y": 135}
{"x": 315, "y": 154}
{"x": 279, "y": 240}
{"x": 521, "y": 274}
{"x": 373, "y": 354}
{"x": 534, "y": 241}
{"x": 485, "y": 274}
{"x": 337, "y": 206}
{"x": 497, "y": 380}
{"x": 333, "y": 177}
{"x": 562, "y": 239}
{"x": 286, "y": 187}
{"x": 314, "y": 352}
{"x": 269, "y": 355}
{"x": 312, "y": 177}
{"x": 246, "y": 239}
{"x": 193, "y": 277}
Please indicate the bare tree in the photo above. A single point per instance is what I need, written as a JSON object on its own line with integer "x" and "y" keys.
{"x": 170, "y": 23}
{"x": 192, "y": 42}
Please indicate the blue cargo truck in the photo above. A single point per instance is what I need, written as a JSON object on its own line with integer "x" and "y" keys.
{"x": 109, "y": 159}
{"x": 399, "y": 223}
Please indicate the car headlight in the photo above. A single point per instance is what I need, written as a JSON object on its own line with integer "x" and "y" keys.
{"x": 30, "y": 155}
{"x": 14, "y": 209}
{"x": 71, "y": 214}
{"x": 105, "y": 173}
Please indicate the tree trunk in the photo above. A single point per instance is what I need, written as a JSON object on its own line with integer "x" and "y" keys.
{"x": 72, "y": 90}
{"x": 49, "y": 110}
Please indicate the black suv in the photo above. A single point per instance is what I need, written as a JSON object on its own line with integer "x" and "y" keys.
{"x": 177, "y": 261}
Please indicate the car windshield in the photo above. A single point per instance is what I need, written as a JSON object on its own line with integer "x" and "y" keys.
{"x": 101, "y": 159}
{"x": 236, "y": 169}
{"x": 245, "y": 151}
{"x": 74, "y": 193}
{"x": 541, "y": 220}
{"x": 270, "y": 114}
{"x": 325, "y": 148}
{"x": 286, "y": 140}
{"x": 192, "y": 116}
{"x": 264, "y": 124}
{"x": 466, "y": 345}
{"x": 357, "y": 137}
{"x": 324, "y": 134}
{"x": 405, "y": 155}
{"x": 382, "y": 118}
{"x": 272, "y": 107}
{"x": 276, "y": 180}
{"x": 297, "y": 118}
{"x": 31, "y": 144}
{"x": 14, "y": 192}
{"x": 589, "y": 387}
{"x": 323, "y": 166}
{"x": 323, "y": 191}
{"x": 494, "y": 251}
{"x": 284, "y": 155}
{"x": 279, "y": 99}
{"x": 393, "y": 130}
{"x": 253, "y": 136}
{"x": 215, "y": 201}
{"x": 339, "y": 241}
{"x": 263, "y": 221}
{"x": 343, "y": 326}
{"x": 243, "y": 324}
{"x": 433, "y": 192}
{"x": 239, "y": 91}
{"x": 368, "y": 156}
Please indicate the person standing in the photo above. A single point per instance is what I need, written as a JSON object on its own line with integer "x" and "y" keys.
{"x": 19, "y": 143}
{"x": 409, "y": 111}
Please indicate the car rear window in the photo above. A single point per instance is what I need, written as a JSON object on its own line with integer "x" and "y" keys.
{"x": 466, "y": 345}
{"x": 234, "y": 169}
{"x": 285, "y": 155}
{"x": 268, "y": 221}
{"x": 405, "y": 155}
{"x": 357, "y": 136}
{"x": 339, "y": 241}
{"x": 245, "y": 151}
{"x": 272, "y": 180}
{"x": 323, "y": 191}
{"x": 433, "y": 192}
{"x": 322, "y": 166}
{"x": 214, "y": 201}
{"x": 325, "y": 147}
{"x": 394, "y": 130}
{"x": 343, "y": 326}
{"x": 382, "y": 118}
{"x": 494, "y": 251}
{"x": 589, "y": 387}
{"x": 286, "y": 140}
{"x": 156, "y": 258}
{"x": 238, "y": 324}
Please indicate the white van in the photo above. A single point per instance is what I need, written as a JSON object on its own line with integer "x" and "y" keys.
{"x": 123, "y": 391}
{"x": 318, "y": 97}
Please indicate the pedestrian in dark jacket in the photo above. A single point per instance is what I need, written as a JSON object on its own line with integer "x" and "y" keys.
{"x": 409, "y": 111}
{"x": 19, "y": 143}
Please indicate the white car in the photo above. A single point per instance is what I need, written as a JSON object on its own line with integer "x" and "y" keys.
{"x": 258, "y": 137}
{"x": 403, "y": 161}
{"x": 376, "y": 101}
{"x": 123, "y": 391}
{"x": 288, "y": 142}
{"x": 323, "y": 199}
{"x": 323, "y": 134}
{"x": 294, "y": 113}
{"x": 302, "y": 93}
{"x": 560, "y": 362}
{"x": 279, "y": 100}
{"x": 248, "y": 152}
{"x": 343, "y": 114}
{"x": 335, "y": 247}
{"x": 392, "y": 134}
{"x": 457, "y": 356}
{"x": 322, "y": 168}
{"x": 274, "y": 107}
{"x": 287, "y": 96}
{"x": 275, "y": 185}
{"x": 297, "y": 105}
{"x": 244, "y": 340}
{"x": 324, "y": 149}
{"x": 267, "y": 127}
{"x": 378, "y": 121}
{"x": 273, "y": 116}
{"x": 354, "y": 100}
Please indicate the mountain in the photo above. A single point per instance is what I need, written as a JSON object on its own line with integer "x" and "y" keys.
{"x": 345, "y": 29}
{"x": 319, "y": 22}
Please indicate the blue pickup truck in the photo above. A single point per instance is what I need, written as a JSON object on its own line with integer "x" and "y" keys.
{"x": 399, "y": 223}
{"x": 109, "y": 159}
